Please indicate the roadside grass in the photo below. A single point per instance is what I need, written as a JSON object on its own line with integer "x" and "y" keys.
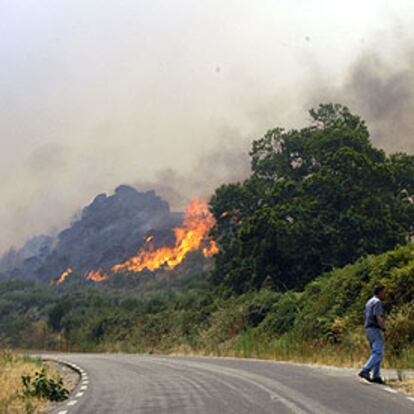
{"x": 12, "y": 399}
{"x": 353, "y": 353}
{"x": 405, "y": 385}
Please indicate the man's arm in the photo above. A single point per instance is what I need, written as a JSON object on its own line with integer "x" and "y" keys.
{"x": 379, "y": 315}
{"x": 381, "y": 321}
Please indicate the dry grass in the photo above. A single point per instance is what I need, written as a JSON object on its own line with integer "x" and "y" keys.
{"x": 406, "y": 385}
{"x": 12, "y": 401}
{"x": 354, "y": 355}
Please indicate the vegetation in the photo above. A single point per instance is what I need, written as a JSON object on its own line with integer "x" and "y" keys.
{"x": 318, "y": 198}
{"x": 20, "y": 394}
{"x": 322, "y": 323}
{"x": 41, "y": 386}
{"x": 323, "y": 218}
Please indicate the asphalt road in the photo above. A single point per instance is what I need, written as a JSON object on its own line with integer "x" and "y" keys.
{"x": 122, "y": 383}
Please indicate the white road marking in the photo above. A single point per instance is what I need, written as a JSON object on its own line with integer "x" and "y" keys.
{"x": 85, "y": 382}
{"x": 84, "y": 387}
{"x": 63, "y": 412}
{"x": 410, "y": 398}
{"x": 73, "y": 402}
{"x": 79, "y": 394}
{"x": 392, "y": 391}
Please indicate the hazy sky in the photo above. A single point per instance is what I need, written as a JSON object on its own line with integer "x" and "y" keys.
{"x": 170, "y": 93}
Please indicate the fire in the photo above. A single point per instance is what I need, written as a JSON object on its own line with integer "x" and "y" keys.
{"x": 211, "y": 250}
{"x": 63, "y": 276}
{"x": 192, "y": 235}
{"x": 96, "y": 276}
{"x": 189, "y": 237}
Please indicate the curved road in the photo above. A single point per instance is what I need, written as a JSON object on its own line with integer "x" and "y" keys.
{"x": 123, "y": 383}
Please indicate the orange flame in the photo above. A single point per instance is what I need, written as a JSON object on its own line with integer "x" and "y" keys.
{"x": 63, "y": 276}
{"x": 211, "y": 250}
{"x": 189, "y": 237}
{"x": 97, "y": 276}
{"x": 197, "y": 223}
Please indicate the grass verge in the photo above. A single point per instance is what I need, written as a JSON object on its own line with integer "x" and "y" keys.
{"x": 12, "y": 399}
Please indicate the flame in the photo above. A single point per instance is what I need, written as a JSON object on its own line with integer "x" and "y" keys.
{"x": 96, "y": 276}
{"x": 197, "y": 223}
{"x": 191, "y": 236}
{"x": 211, "y": 250}
{"x": 63, "y": 276}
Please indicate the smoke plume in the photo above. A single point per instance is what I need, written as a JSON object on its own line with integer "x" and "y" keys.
{"x": 169, "y": 95}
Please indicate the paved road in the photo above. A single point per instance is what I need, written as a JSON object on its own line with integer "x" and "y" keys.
{"x": 121, "y": 383}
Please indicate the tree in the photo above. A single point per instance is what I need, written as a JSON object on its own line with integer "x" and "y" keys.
{"x": 318, "y": 198}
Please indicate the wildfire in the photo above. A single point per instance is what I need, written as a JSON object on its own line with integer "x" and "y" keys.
{"x": 96, "y": 276}
{"x": 211, "y": 250}
{"x": 63, "y": 276}
{"x": 189, "y": 237}
{"x": 192, "y": 235}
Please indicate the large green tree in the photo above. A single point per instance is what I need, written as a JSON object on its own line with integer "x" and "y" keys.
{"x": 318, "y": 198}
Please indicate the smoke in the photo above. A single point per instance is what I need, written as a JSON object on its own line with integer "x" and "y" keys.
{"x": 228, "y": 162}
{"x": 381, "y": 90}
{"x": 169, "y": 95}
{"x": 383, "y": 93}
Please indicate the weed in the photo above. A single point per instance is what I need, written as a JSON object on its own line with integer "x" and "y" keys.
{"x": 42, "y": 387}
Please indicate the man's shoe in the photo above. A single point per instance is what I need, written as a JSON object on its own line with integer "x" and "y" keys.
{"x": 378, "y": 380}
{"x": 364, "y": 375}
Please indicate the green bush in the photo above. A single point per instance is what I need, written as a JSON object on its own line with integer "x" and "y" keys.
{"x": 282, "y": 315}
{"x": 333, "y": 305}
{"x": 42, "y": 387}
{"x": 400, "y": 328}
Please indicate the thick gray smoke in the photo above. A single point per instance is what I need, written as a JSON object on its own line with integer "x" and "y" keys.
{"x": 168, "y": 95}
{"x": 381, "y": 91}
{"x": 229, "y": 162}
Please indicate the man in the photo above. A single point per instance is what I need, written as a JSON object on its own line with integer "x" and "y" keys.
{"x": 374, "y": 327}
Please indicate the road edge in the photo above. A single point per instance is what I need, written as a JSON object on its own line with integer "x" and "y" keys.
{"x": 79, "y": 390}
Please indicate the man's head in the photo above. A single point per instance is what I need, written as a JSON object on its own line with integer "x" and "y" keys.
{"x": 379, "y": 291}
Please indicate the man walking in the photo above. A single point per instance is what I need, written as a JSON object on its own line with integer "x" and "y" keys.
{"x": 374, "y": 327}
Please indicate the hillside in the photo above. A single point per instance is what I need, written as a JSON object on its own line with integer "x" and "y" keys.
{"x": 108, "y": 231}
{"x": 321, "y": 323}
{"x": 297, "y": 249}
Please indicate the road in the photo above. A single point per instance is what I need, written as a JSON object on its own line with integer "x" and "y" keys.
{"x": 124, "y": 383}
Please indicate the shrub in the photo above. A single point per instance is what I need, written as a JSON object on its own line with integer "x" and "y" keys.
{"x": 281, "y": 317}
{"x": 42, "y": 387}
{"x": 400, "y": 328}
